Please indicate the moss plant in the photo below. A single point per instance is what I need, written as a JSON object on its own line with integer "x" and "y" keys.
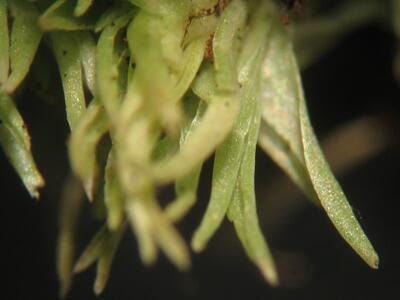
{"x": 152, "y": 89}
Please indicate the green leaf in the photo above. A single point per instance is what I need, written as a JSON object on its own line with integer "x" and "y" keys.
{"x": 60, "y": 16}
{"x": 83, "y": 143}
{"x": 71, "y": 205}
{"x": 285, "y": 108}
{"x": 81, "y": 7}
{"x": 4, "y": 43}
{"x": 232, "y": 20}
{"x": 230, "y": 153}
{"x": 107, "y": 72}
{"x": 277, "y": 148}
{"x": 113, "y": 195}
{"x": 331, "y": 195}
{"x": 167, "y": 237}
{"x": 107, "y": 254}
{"x": 186, "y": 188}
{"x": 215, "y": 125}
{"x": 87, "y": 49}
{"x": 243, "y": 213}
{"x": 280, "y": 134}
{"x": 15, "y": 141}
{"x": 67, "y": 56}
{"x": 25, "y": 39}
{"x": 92, "y": 251}
{"x": 141, "y": 224}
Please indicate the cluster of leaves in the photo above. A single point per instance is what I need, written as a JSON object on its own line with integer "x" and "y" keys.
{"x": 153, "y": 88}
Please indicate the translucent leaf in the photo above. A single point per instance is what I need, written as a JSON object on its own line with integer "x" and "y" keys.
{"x": 15, "y": 141}
{"x": 25, "y": 39}
{"x": 67, "y": 55}
{"x": 285, "y": 108}
{"x": 83, "y": 144}
{"x": 278, "y": 149}
{"x": 4, "y": 43}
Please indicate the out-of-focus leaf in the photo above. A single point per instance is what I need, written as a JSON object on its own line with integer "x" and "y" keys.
{"x": 107, "y": 73}
{"x": 92, "y": 251}
{"x": 215, "y": 125}
{"x": 285, "y": 110}
{"x": 15, "y": 141}
{"x": 71, "y": 205}
{"x": 106, "y": 257}
{"x": 315, "y": 37}
{"x": 67, "y": 55}
{"x": 154, "y": 62}
{"x": 186, "y": 188}
{"x": 4, "y": 43}
{"x": 192, "y": 59}
{"x": 167, "y": 237}
{"x": 83, "y": 143}
{"x": 113, "y": 196}
{"x": 82, "y": 6}
{"x": 153, "y": 228}
{"x": 60, "y": 16}
{"x": 25, "y": 39}
{"x": 141, "y": 224}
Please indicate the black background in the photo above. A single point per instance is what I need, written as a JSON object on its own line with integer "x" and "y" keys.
{"x": 353, "y": 80}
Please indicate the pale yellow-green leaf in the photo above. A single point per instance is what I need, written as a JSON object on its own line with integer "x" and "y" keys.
{"x": 83, "y": 144}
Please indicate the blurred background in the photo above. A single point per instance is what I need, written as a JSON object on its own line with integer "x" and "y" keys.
{"x": 354, "y": 103}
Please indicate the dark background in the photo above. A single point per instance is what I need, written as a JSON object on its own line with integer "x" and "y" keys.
{"x": 353, "y": 80}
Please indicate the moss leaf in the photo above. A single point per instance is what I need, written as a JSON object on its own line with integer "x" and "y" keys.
{"x": 15, "y": 141}
{"x": 285, "y": 110}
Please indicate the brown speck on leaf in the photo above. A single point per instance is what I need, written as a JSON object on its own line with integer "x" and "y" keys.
{"x": 208, "y": 53}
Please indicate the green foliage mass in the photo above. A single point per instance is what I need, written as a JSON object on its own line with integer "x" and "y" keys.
{"x": 152, "y": 89}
